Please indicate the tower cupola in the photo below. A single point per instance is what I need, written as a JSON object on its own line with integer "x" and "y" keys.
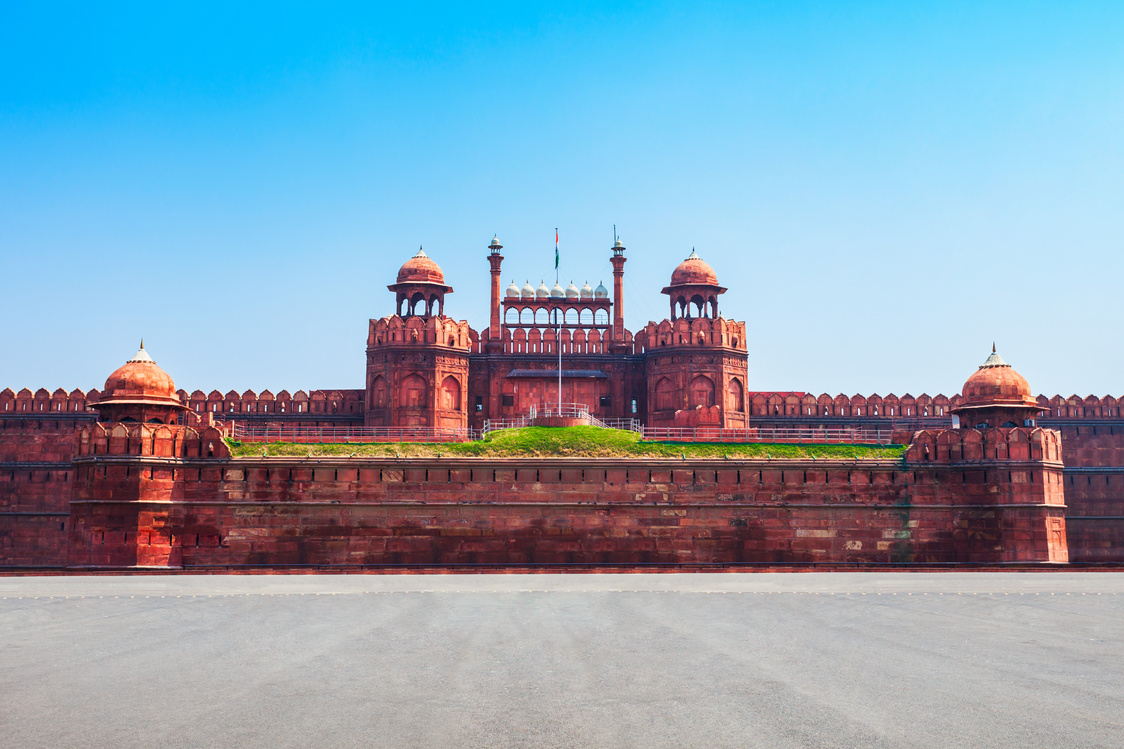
{"x": 139, "y": 390}
{"x": 997, "y": 396}
{"x": 420, "y": 289}
{"x": 694, "y": 288}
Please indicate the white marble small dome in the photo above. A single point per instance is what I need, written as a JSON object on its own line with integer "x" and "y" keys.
{"x": 587, "y": 291}
{"x": 528, "y": 291}
{"x": 557, "y": 292}
{"x": 542, "y": 292}
{"x": 513, "y": 290}
{"x": 572, "y": 291}
{"x": 600, "y": 292}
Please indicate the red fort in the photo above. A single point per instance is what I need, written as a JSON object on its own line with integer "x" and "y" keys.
{"x": 140, "y": 475}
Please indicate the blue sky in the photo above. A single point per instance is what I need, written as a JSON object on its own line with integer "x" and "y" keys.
{"x": 884, "y": 187}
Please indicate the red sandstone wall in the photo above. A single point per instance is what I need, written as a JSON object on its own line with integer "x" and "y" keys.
{"x": 162, "y": 502}
{"x": 270, "y": 511}
{"x": 1094, "y": 489}
{"x": 35, "y": 483}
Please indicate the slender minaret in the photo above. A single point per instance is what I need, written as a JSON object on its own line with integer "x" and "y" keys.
{"x": 618, "y": 259}
{"x": 494, "y": 260}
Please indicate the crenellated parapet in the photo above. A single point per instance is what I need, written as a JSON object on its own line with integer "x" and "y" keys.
{"x": 850, "y": 406}
{"x": 545, "y": 340}
{"x": 1076, "y": 407}
{"x": 1021, "y": 444}
{"x": 691, "y": 331}
{"x": 153, "y": 440}
{"x": 27, "y": 403}
{"x": 419, "y": 331}
{"x": 265, "y": 404}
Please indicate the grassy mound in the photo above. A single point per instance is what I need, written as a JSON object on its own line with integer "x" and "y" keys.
{"x": 586, "y": 442}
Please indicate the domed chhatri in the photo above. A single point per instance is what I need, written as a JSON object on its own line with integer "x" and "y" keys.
{"x": 997, "y": 396}
{"x": 420, "y": 289}
{"x": 139, "y": 390}
{"x": 694, "y": 289}
{"x": 421, "y": 269}
{"x": 694, "y": 271}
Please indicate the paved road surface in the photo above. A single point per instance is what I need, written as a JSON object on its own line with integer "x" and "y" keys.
{"x": 707, "y": 660}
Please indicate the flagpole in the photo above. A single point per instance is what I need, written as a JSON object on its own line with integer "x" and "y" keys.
{"x": 558, "y": 324}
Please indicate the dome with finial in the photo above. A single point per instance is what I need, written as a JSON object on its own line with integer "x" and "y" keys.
{"x": 572, "y": 291}
{"x": 618, "y": 244}
{"x": 694, "y": 271}
{"x": 600, "y": 292}
{"x": 421, "y": 269}
{"x": 557, "y": 292}
{"x": 513, "y": 290}
{"x": 542, "y": 292}
{"x": 586, "y": 291}
{"x": 996, "y": 384}
{"x": 495, "y": 241}
{"x": 139, "y": 380}
{"x": 528, "y": 291}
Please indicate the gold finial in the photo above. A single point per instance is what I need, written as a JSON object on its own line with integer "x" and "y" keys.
{"x": 142, "y": 344}
{"x": 993, "y": 347}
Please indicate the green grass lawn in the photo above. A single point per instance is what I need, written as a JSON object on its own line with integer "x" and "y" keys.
{"x": 590, "y": 442}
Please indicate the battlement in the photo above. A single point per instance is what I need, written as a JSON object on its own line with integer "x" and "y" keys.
{"x": 691, "y": 331}
{"x": 424, "y": 331}
{"x": 26, "y": 403}
{"x": 1091, "y": 407}
{"x": 542, "y": 340}
{"x": 974, "y": 446}
{"x": 1075, "y": 407}
{"x": 158, "y": 440}
{"x": 283, "y": 403}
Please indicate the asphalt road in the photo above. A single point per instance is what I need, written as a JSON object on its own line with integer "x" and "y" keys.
{"x": 676, "y": 660}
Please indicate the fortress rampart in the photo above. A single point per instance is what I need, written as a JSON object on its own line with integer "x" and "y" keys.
{"x": 345, "y": 402}
{"x": 346, "y": 511}
{"x": 138, "y": 473}
{"x": 132, "y": 495}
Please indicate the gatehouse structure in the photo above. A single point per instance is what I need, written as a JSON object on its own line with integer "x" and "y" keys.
{"x": 139, "y": 474}
{"x": 426, "y": 370}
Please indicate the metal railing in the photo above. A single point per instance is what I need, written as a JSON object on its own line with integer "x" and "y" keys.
{"x": 578, "y": 410}
{"x": 251, "y": 432}
{"x": 350, "y": 434}
{"x": 630, "y": 425}
{"x": 492, "y": 425}
{"x": 543, "y": 410}
{"x": 796, "y": 436}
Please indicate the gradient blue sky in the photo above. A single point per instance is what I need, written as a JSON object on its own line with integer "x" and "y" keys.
{"x": 884, "y": 187}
